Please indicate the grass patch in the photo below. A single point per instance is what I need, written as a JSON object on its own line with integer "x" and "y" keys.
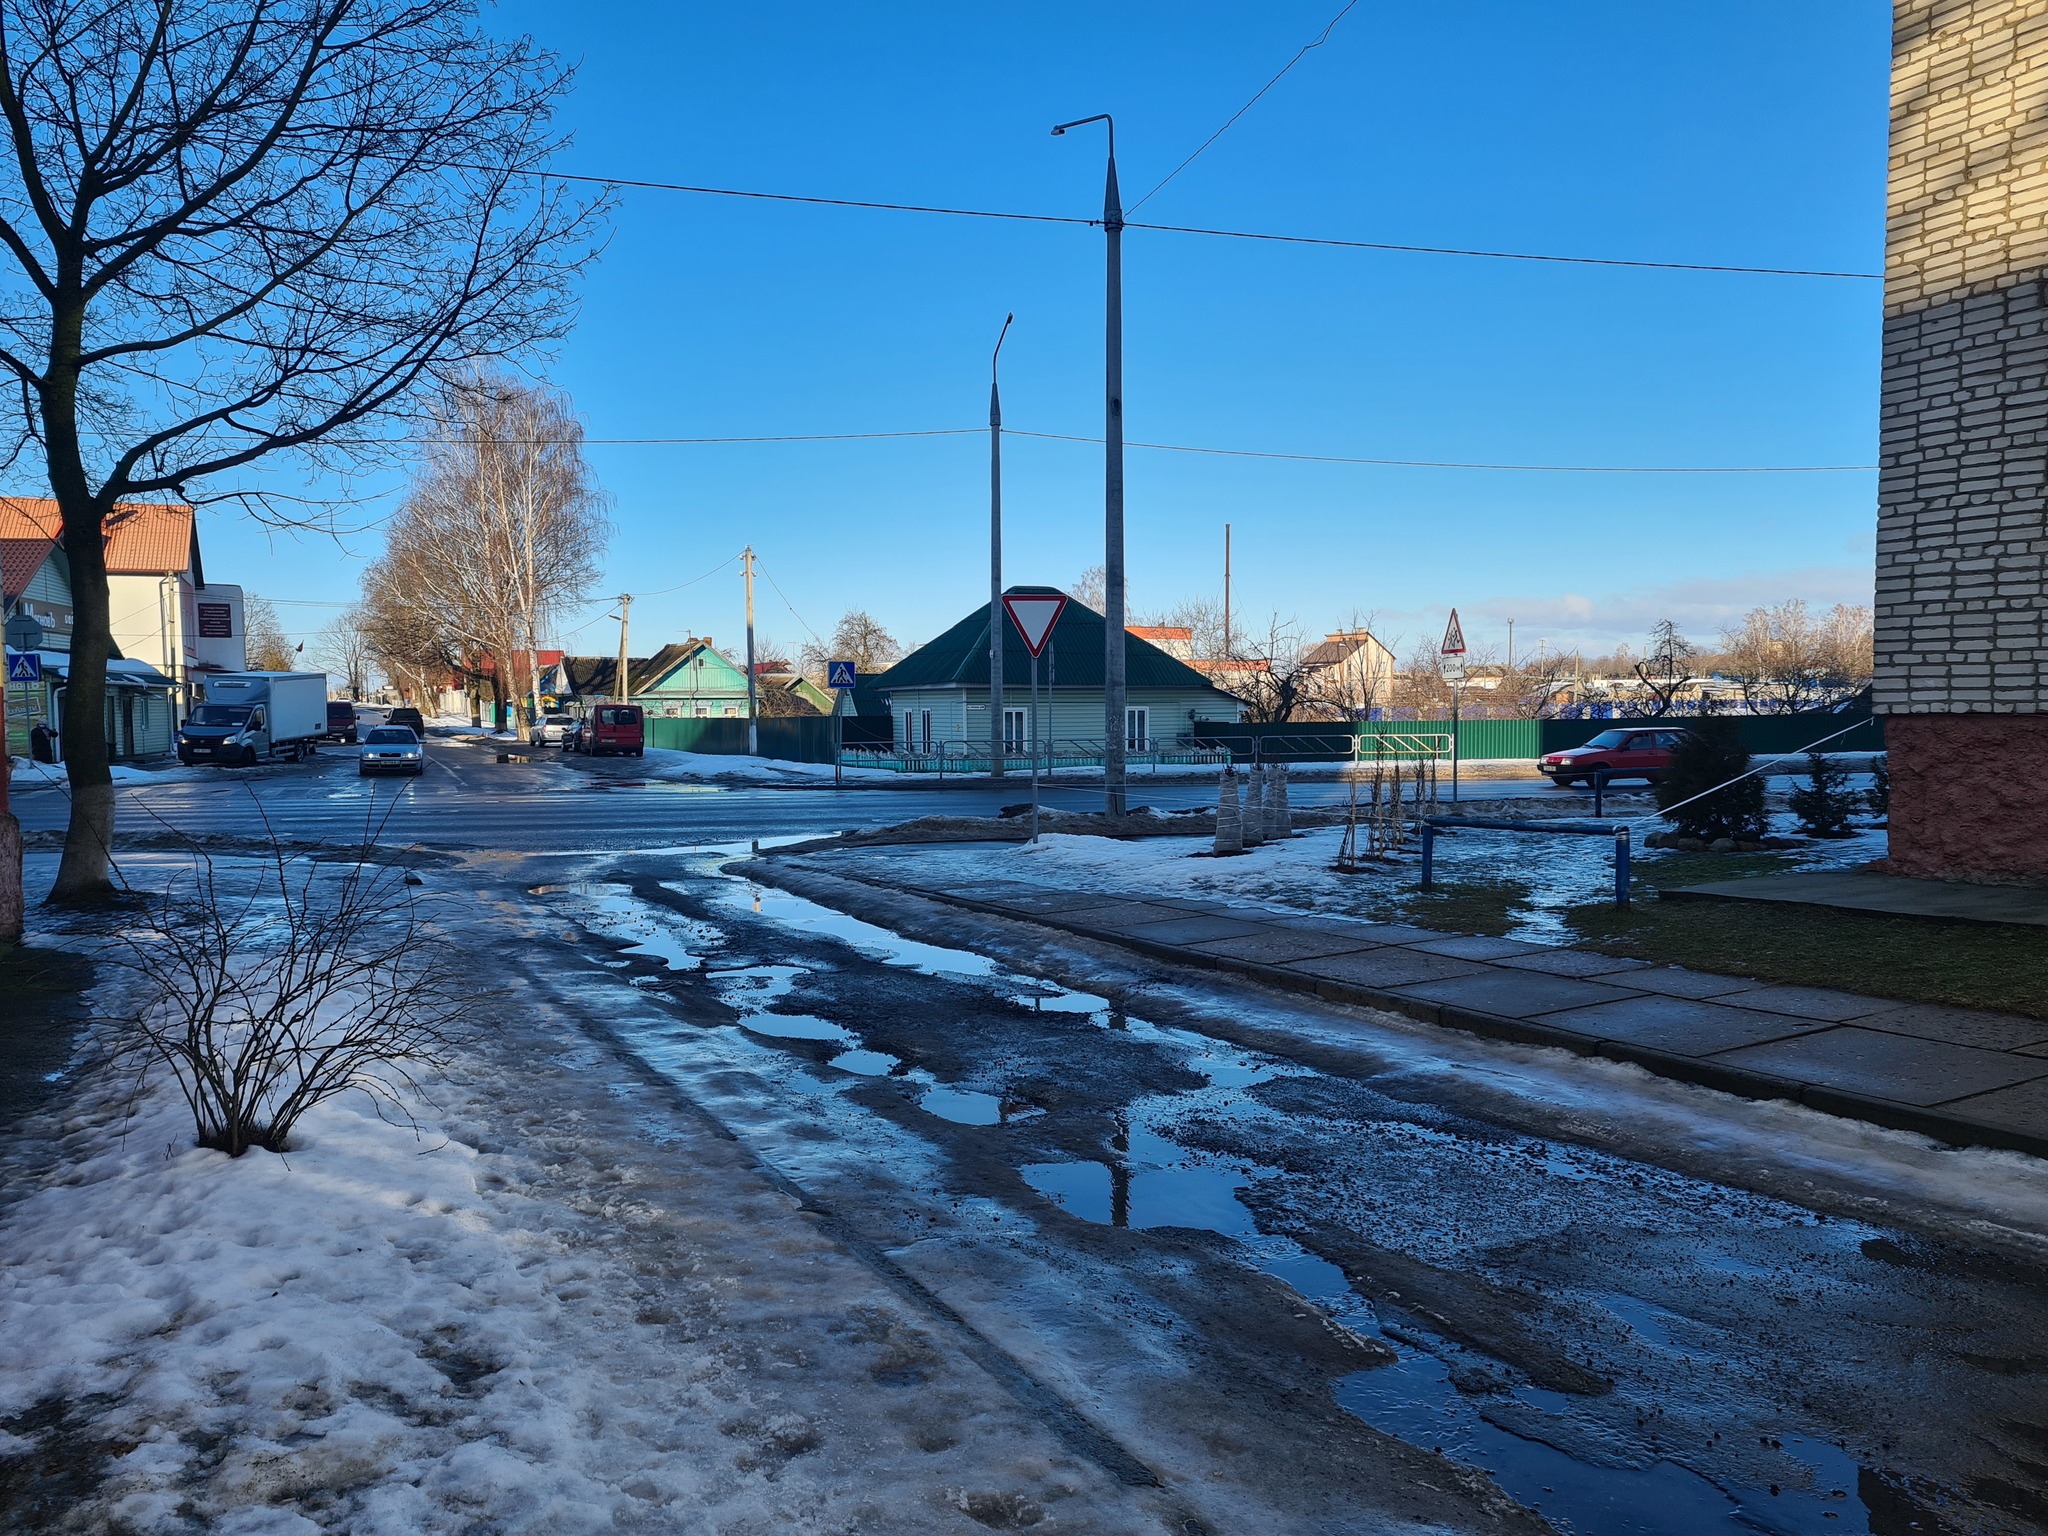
{"x": 1490, "y": 909}
{"x": 1966, "y": 965}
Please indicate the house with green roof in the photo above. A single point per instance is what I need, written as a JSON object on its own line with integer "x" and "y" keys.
{"x": 938, "y": 694}
{"x": 690, "y": 680}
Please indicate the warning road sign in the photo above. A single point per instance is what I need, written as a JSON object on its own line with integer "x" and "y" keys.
{"x": 1454, "y": 637}
{"x": 1034, "y": 617}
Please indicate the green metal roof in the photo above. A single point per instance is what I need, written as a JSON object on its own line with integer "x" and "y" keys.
{"x": 1073, "y": 657}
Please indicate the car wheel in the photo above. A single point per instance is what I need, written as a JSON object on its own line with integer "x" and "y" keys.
{"x": 1562, "y": 781}
{"x": 362, "y": 773}
{"x": 248, "y": 757}
{"x": 639, "y": 751}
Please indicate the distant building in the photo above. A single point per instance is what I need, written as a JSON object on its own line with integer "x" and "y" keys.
{"x": 152, "y": 558}
{"x": 690, "y": 680}
{"x": 1355, "y": 673}
{"x": 939, "y": 692}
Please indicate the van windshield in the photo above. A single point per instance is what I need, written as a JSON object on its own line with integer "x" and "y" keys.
{"x": 220, "y": 714}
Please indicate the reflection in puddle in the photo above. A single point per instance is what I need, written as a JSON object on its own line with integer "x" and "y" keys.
{"x": 1147, "y": 1180}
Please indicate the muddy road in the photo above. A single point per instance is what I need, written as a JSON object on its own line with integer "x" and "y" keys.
{"x": 1315, "y": 1269}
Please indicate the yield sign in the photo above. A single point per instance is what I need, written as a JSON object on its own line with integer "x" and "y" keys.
{"x": 1454, "y": 637}
{"x": 1034, "y": 617}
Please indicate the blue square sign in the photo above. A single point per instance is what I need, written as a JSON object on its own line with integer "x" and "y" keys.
{"x": 841, "y": 674}
{"x": 25, "y": 667}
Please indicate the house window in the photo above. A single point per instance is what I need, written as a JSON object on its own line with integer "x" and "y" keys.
{"x": 1138, "y": 729}
{"x": 1016, "y": 729}
{"x": 732, "y": 711}
{"x": 924, "y": 717}
{"x": 703, "y": 712}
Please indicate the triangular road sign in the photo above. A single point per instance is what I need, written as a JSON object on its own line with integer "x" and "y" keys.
{"x": 1454, "y": 637}
{"x": 1034, "y": 617}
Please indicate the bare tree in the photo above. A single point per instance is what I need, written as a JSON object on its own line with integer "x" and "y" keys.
{"x": 343, "y": 649}
{"x": 1787, "y": 660}
{"x": 1667, "y": 667}
{"x": 231, "y": 232}
{"x": 1090, "y": 588}
{"x": 265, "y": 647}
{"x": 502, "y": 530}
{"x": 1282, "y": 681}
{"x": 859, "y": 638}
{"x": 267, "y": 1000}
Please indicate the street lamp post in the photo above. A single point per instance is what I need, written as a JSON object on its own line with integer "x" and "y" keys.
{"x": 1113, "y": 687}
{"x": 995, "y": 559}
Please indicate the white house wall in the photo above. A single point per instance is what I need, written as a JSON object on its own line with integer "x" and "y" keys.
{"x": 1069, "y": 715}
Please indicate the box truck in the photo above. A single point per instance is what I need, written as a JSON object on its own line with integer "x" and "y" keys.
{"x": 251, "y": 717}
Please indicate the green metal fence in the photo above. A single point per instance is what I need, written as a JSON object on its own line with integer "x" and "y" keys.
{"x": 1319, "y": 741}
{"x": 789, "y": 738}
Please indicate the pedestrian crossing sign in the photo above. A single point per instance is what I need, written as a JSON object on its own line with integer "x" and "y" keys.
{"x": 841, "y": 674}
{"x": 25, "y": 667}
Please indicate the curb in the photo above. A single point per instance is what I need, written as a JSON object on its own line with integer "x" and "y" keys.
{"x": 1739, "y": 1081}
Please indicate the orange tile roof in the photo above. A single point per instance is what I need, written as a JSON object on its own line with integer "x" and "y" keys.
{"x": 143, "y": 538}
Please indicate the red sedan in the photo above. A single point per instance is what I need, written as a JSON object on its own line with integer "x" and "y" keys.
{"x": 1620, "y": 754}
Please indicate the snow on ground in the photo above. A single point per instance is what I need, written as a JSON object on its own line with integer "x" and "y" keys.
{"x": 33, "y": 775}
{"x": 558, "y": 1305}
{"x": 669, "y": 763}
{"x": 1297, "y": 873}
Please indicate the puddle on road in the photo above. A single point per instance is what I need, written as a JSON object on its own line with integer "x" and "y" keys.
{"x": 1149, "y": 1180}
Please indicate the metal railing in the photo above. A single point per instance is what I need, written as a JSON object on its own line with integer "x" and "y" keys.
{"x": 1617, "y": 830}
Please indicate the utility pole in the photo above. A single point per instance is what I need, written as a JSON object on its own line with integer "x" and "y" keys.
{"x": 995, "y": 559}
{"x": 1511, "y": 645}
{"x": 623, "y": 692}
{"x": 1113, "y": 684}
{"x": 1226, "y": 591}
{"x": 753, "y": 713}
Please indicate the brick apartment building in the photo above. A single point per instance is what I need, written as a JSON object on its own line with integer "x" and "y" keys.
{"x": 1962, "y": 536}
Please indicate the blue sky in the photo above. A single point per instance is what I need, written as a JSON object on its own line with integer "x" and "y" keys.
{"x": 1738, "y": 133}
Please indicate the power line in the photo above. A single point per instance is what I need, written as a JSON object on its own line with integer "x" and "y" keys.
{"x": 1240, "y": 112}
{"x": 1553, "y": 469}
{"x": 1192, "y": 229}
{"x": 788, "y": 604}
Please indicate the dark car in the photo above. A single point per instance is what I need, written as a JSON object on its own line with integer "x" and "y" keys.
{"x": 341, "y": 720}
{"x": 1623, "y": 753}
{"x": 613, "y": 728}
{"x": 391, "y": 749}
{"x": 409, "y": 717}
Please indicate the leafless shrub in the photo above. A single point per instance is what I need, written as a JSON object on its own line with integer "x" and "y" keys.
{"x": 266, "y": 1000}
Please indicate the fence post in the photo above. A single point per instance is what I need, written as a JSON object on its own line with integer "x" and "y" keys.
{"x": 1599, "y": 790}
{"x": 1428, "y": 853}
{"x": 1621, "y": 866}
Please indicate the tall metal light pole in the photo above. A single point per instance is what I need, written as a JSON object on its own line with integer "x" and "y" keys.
{"x": 995, "y": 559}
{"x": 1112, "y": 483}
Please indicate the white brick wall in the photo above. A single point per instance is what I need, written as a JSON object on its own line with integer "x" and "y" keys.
{"x": 1962, "y": 538}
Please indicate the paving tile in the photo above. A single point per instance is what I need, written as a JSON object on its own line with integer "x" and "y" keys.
{"x": 1881, "y": 1066}
{"x": 1061, "y": 901}
{"x": 1367, "y": 933}
{"x": 2034, "y": 1050}
{"x": 2022, "y": 1107}
{"x": 1516, "y": 994}
{"x": 1684, "y": 1026}
{"x": 1572, "y": 962}
{"x": 1195, "y": 904}
{"x": 1131, "y": 914}
{"x": 1468, "y": 946}
{"x": 1961, "y": 1026}
{"x": 1815, "y": 1003}
{"x": 1271, "y": 947}
{"x": 1189, "y": 928}
{"x": 1388, "y": 966}
{"x": 1673, "y": 981}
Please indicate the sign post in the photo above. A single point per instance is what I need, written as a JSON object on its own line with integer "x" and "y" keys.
{"x": 842, "y": 677}
{"x": 1453, "y": 652}
{"x": 1035, "y": 615}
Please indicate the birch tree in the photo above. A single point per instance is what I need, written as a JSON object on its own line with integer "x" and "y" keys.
{"x": 503, "y": 528}
{"x": 234, "y": 232}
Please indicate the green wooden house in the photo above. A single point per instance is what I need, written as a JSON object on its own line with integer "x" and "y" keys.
{"x": 938, "y": 694}
{"x": 691, "y": 680}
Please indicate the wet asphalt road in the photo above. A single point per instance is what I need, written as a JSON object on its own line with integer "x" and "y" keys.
{"x": 1340, "y": 1274}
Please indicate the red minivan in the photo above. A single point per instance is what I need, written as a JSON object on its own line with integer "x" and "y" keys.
{"x": 613, "y": 728}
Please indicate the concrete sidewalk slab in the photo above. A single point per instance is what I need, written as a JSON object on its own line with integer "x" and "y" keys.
{"x": 1891, "y": 895}
{"x": 1516, "y": 996}
{"x": 1571, "y": 962}
{"x": 1681, "y": 1025}
{"x": 1385, "y": 967}
{"x": 1191, "y": 928}
{"x": 1906, "y": 1065}
{"x": 1676, "y": 981}
{"x": 1960, "y": 1026}
{"x": 1814, "y": 1003}
{"x": 1896, "y": 1067}
{"x": 1268, "y": 947}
